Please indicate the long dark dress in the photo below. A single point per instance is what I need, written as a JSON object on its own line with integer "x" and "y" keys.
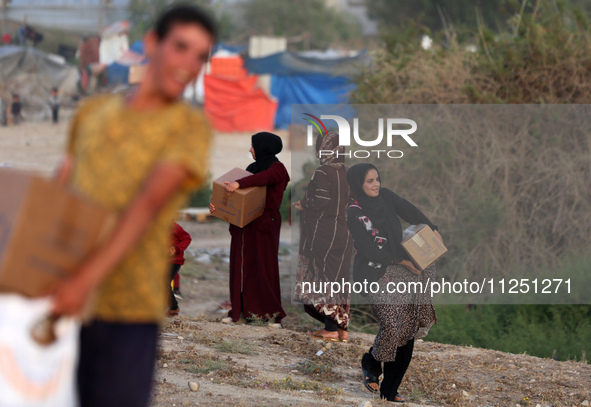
{"x": 325, "y": 243}
{"x": 254, "y": 263}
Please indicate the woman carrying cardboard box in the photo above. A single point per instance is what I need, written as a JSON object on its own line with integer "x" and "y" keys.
{"x": 254, "y": 251}
{"x": 381, "y": 261}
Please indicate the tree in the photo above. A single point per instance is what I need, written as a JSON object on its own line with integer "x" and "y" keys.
{"x": 496, "y": 14}
{"x": 582, "y": 4}
{"x": 311, "y": 20}
{"x": 431, "y": 13}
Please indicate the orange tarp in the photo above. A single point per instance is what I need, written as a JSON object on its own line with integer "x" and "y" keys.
{"x": 237, "y": 105}
{"x": 229, "y": 67}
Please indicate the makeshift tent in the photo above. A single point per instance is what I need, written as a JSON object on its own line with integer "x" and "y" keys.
{"x": 137, "y": 47}
{"x": 233, "y": 102}
{"x": 290, "y": 63}
{"x": 118, "y": 71}
{"x": 89, "y": 51}
{"x": 114, "y": 42}
{"x": 307, "y": 79}
{"x": 234, "y": 49}
{"x": 307, "y": 89}
{"x": 15, "y": 60}
{"x": 32, "y": 74}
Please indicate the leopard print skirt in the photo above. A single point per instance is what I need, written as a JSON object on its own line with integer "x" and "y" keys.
{"x": 402, "y": 315}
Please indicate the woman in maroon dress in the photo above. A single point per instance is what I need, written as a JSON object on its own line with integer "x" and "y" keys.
{"x": 254, "y": 251}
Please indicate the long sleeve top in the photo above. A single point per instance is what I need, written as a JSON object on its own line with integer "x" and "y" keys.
{"x": 275, "y": 178}
{"x": 54, "y": 101}
{"x": 372, "y": 253}
{"x": 318, "y": 194}
{"x": 180, "y": 240}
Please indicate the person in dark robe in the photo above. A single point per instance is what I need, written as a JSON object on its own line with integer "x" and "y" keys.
{"x": 325, "y": 243}
{"x": 373, "y": 220}
{"x": 254, "y": 251}
{"x": 16, "y": 109}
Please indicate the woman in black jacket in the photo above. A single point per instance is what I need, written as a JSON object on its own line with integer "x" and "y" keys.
{"x": 379, "y": 259}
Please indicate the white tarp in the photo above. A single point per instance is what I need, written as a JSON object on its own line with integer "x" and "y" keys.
{"x": 32, "y": 74}
{"x": 114, "y": 42}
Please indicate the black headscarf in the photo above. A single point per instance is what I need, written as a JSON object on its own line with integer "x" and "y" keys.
{"x": 266, "y": 146}
{"x": 373, "y": 207}
{"x": 383, "y": 216}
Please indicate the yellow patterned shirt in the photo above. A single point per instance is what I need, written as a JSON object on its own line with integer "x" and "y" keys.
{"x": 115, "y": 149}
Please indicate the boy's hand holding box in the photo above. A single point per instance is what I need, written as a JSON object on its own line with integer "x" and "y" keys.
{"x": 46, "y": 232}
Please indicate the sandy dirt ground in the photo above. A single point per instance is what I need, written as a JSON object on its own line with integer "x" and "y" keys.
{"x": 252, "y": 365}
{"x": 40, "y": 146}
{"x": 255, "y": 365}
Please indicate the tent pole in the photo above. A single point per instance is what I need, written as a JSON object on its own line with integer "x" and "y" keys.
{"x": 4, "y": 7}
{"x": 101, "y": 11}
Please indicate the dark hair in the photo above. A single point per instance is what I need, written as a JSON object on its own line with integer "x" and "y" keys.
{"x": 183, "y": 14}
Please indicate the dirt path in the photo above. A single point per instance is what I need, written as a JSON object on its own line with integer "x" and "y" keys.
{"x": 40, "y": 146}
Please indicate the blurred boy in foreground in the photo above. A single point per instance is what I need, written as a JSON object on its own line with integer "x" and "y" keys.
{"x": 139, "y": 155}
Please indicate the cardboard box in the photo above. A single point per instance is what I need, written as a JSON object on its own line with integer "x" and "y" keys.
{"x": 46, "y": 232}
{"x": 422, "y": 245}
{"x": 243, "y": 205}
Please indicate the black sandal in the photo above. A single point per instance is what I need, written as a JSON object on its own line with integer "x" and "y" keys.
{"x": 370, "y": 376}
{"x": 368, "y": 379}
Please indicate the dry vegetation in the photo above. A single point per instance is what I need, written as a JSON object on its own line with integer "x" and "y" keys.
{"x": 545, "y": 60}
{"x": 286, "y": 371}
{"x": 510, "y": 185}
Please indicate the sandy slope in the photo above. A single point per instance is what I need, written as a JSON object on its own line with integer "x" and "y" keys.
{"x": 261, "y": 366}
{"x": 247, "y": 361}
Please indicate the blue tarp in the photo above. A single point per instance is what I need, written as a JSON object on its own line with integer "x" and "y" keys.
{"x": 299, "y": 79}
{"x": 307, "y": 89}
{"x": 290, "y": 63}
{"x": 137, "y": 47}
{"x": 117, "y": 74}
